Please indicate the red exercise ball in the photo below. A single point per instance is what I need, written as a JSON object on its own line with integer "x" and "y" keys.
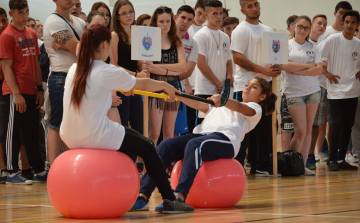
{"x": 218, "y": 184}
{"x": 93, "y": 183}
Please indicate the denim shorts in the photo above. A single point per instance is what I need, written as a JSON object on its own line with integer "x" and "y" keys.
{"x": 56, "y": 94}
{"x": 313, "y": 98}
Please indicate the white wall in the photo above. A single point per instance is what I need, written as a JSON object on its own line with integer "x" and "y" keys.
{"x": 273, "y": 12}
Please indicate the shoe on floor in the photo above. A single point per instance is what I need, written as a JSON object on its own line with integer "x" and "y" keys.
{"x": 247, "y": 165}
{"x": 350, "y": 158}
{"x": 176, "y": 207}
{"x": 141, "y": 204}
{"x": 308, "y": 172}
{"x": 40, "y": 179}
{"x": 265, "y": 173}
{"x": 159, "y": 208}
{"x": 343, "y": 165}
{"x": 3, "y": 176}
{"x": 18, "y": 179}
{"x": 322, "y": 157}
{"x": 311, "y": 163}
{"x": 333, "y": 166}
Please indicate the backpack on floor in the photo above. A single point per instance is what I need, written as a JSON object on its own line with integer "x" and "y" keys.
{"x": 290, "y": 163}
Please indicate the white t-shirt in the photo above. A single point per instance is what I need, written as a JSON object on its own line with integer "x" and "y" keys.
{"x": 343, "y": 57}
{"x": 247, "y": 40}
{"x": 191, "y": 52}
{"x": 231, "y": 123}
{"x": 208, "y": 41}
{"x": 89, "y": 127}
{"x": 40, "y": 43}
{"x": 300, "y": 85}
{"x": 329, "y": 30}
{"x": 61, "y": 60}
{"x": 191, "y": 31}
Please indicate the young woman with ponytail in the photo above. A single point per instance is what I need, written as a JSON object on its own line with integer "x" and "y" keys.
{"x": 87, "y": 98}
{"x": 301, "y": 86}
{"x": 223, "y": 128}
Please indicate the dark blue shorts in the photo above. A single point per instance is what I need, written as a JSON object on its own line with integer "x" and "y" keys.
{"x": 56, "y": 94}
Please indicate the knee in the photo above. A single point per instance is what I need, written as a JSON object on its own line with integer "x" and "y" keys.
{"x": 168, "y": 133}
{"x": 300, "y": 133}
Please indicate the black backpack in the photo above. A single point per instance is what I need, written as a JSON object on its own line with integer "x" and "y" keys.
{"x": 44, "y": 63}
{"x": 290, "y": 163}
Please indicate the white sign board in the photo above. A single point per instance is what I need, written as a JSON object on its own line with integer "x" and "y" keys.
{"x": 275, "y": 48}
{"x": 145, "y": 43}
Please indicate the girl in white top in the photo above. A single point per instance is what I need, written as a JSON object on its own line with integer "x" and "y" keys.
{"x": 301, "y": 86}
{"x": 87, "y": 99}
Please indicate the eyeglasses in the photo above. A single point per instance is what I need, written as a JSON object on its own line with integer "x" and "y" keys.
{"x": 305, "y": 28}
{"x": 127, "y": 13}
{"x": 163, "y": 9}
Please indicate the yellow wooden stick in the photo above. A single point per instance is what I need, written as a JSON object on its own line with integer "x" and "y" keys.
{"x": 151, "y": 94}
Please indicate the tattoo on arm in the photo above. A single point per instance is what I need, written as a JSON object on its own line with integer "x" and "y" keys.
{"x": 63, "y": 36}
{"x": 247, "y": 65}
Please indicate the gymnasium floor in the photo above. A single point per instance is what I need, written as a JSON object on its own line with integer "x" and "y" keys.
{"x": 327, "y": 197}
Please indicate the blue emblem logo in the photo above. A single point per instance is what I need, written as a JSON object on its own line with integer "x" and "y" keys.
{"x": 147, "y": 42}
{"x": 276, "y": 46}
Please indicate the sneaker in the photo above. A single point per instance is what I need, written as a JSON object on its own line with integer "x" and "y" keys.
{"x": 350, "y": 158}
{"x": 333, "y": 166}
{"x": 28, "y": 174}
{"x": 308, "y": 172}
{"x": 18, "y": 179}
{"x": 343, "y": 165}
{"x": 322, "y": 157}
{"x": 311, "y": 164}
{"x": 141, "y": 204}
{"x": 248, "y": 166}
{"x": 40, "y": 179}
{"x": 176, "y": 207}
{"x": 141, "y": 175}
{"x": 265, "y": 173}
{"x": 3, "y": 176}
{"x": 159, "y": 208}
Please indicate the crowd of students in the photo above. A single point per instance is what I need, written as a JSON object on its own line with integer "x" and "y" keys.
{"x": 320, "y": 87}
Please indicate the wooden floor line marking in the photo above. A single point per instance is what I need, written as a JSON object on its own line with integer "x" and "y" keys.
{"x": 54, "y": 219}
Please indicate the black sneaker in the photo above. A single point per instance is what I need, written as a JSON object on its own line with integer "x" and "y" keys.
{"x": 346, "y": 166}
{"x": 333, "y": 166}
{"x": 28, "y": 174}
{"x": 3, "y": 176}
{"x": 176, "y": 207}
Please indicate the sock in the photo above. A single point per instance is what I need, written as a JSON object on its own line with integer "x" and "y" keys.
{"x": 340, "y": 161}
{"x": 41, "y": 173}
{"x": 12, "y": 175}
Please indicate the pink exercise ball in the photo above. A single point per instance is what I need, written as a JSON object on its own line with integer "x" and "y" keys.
{"x": 93, "y": 183}
{"x": 218, "y": 184}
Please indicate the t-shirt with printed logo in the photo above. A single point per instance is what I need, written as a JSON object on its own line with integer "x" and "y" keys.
{"x": 21, "y": 46}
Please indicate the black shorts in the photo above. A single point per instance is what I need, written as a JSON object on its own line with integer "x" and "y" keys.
{"x": 287, "y": 124}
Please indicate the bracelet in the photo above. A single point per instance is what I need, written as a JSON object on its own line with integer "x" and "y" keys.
{"x": 40, "y": 88}
{"x": 166, "y": 72}
{"x": 135, "y": 73}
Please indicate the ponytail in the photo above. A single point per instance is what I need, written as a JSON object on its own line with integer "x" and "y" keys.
{"x": 89, "y": 43}
{"x": 270, "y": 101}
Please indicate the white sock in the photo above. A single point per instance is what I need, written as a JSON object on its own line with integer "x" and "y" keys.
{"x": 340, "y": 161}
{"x": 41, "y": 173}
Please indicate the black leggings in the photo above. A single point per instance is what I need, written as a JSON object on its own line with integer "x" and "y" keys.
{"x": 136, "y": 144}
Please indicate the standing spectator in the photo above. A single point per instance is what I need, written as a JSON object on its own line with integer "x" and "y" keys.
{"x": 83, "y": 16}
{"x": 229, "y": 24}
{"x": 40, "y": 29}
{"x": 337, "y": 27}
{"x": 23, "y": 93}
{"x": 32, "y": 25}
{"x": 318, "y": 27}
{"x": 143, "y": 20}
{"x": 214, "y": 60}
{"x": 66, "y": 30}
{"x": 184, "y": 19}
{"x": 76, "y": 8}
{"x": 246, "y": 44}
{"x": 342, "y": 51}
{"x": 287, "y": 125}
{"x": 4, "y": 22}
{"x": 105, "y": 10}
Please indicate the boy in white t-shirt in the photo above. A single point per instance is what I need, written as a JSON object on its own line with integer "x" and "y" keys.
{"x": 214, "y": 61}
{"x": 342, "y": 51}
{"x": 246, "y": 44}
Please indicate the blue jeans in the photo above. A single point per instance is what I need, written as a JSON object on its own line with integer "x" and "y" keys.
{"x": 56, "y": 94}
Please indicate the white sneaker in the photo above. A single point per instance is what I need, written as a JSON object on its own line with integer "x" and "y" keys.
{"x": 322, "y": 157}
{"x": 308, "y": 172}
{"x": 350, "y": 159}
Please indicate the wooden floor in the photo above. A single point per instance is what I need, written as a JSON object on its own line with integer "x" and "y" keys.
{"x": 327, "y": 197}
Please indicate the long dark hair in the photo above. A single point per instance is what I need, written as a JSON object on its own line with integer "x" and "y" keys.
{"x": 97, "y": 5}
{"x": 92, "y": 14}
{"x": 116, "y": 26}
{"x": 172, "y": 34}
{"x": 270, "y": 101}
{"x": 89, "y": 43}
{"x": 308, "y": 20}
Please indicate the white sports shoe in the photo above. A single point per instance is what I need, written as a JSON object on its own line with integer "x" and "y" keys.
{"x": 322, "y": 157}
{"x": 308, "y": 172}
{"x": 350, "y": 159}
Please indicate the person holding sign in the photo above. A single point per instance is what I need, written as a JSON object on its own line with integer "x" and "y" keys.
{"x": 172, "y": 64}
{"x": 87, "y": 99}
{"x": 246, "y": 45}
{"x": 301, "y": 86}
{"x": 214, "y": 60}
